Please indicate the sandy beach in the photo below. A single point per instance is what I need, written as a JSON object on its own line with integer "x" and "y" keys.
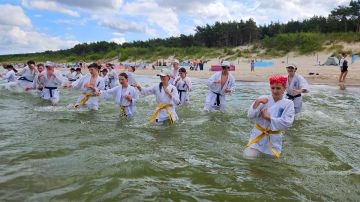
{"x": 328, "y": 75}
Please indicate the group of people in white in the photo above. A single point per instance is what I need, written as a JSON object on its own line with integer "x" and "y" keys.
{"x": 272, "y": 114}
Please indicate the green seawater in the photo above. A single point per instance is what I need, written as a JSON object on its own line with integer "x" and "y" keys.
{"x": 59, "y": 154}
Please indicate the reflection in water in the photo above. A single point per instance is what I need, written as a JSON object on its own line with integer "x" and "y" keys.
{"x": 61, "y": 154}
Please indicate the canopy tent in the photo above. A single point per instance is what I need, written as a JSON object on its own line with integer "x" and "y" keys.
{"x": 354, "y": 58}
{"x": 332, "y": 61}
{"x": 264, "y": 64}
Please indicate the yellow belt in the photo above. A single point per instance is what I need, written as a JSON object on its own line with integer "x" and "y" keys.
{"x": 265, "y": 132}
{"x": 122, "y": 111}
{"x": 85, "y": 99}
{"x": 161, "y": 107}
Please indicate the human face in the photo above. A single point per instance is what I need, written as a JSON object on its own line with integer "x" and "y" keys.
{"x": 32, "y": 66}
{"x": 164, "y": 79}
{"x": 50, "y": 69}
{"x": 176, "y": 65}
{"x": 40, "y": 68}
{"x": 93, "y": 71}
{"x": 225, "y": 69}
{"x": 182, "y": 74}
{"x": 291, "y": 71}
{"x": 123, "y": 81}
{"x": 277, "y": 91}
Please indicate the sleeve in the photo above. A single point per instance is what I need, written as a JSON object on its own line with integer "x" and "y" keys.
{"x": 189, "y": 85}
{"x": 286, "y": 120}
{"x": 303, "y": 84}
{"x": 60, "y": 79}
{"x": 148, "y": 91}
{"x": 106, "y": 94}
{"x": 101, "y": 85}
{"x": 77, "y": 84}
{"x": 211, "y": 80}
{"x": 21, "y": 72}
{"x": 134, "y": 96}
{"x": 254, "y": 113}
{"x": 7, "y": 75}
{"x": 175, "y": 96}
{"x": 231, "y": 84}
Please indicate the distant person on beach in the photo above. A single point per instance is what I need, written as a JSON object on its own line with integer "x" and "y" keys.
{"x": 174, "y": 71}
{"x": 295, "y": 86}
{"x": 49, "y": 81}
{"x": 272, "y": 115}
{"x": 89, "y": 85}
{"x": 220, "y": 84}
{"x": 167, "y": 99}
{"x": 112, "y": 75}
{"x": 343, "y": 68}
{"x": 124, "y": 95}
{"x": 183, "y": 85}
{"x": 252, "y": 65}
{"x": 201, "y": 65}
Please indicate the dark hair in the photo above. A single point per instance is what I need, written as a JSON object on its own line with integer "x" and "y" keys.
{"x": 104, "y": 70}
{"x": 94, "y": 65}
{"x": 40, "y": 65}
{"x": 73, "y": 69}
{"x": 30, "y": 62}
{"x": 182, "y": 69}
{"x": 133, "y": 68}
{"x": 78, "y": 69}
{"x": 11, "y": 67}
{"x": 124, "y": 75}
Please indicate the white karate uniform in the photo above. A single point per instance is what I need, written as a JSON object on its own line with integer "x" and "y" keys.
{"x": 106, "y": 80}
{"x": 174, "y": 72}
{"x": 131, "y": 78}
{"x": 71, "y": 76}
{"x": 282, "y": 115}
{"x": 119, "y": 93}
{"x": 50, "y": 90}
{"x": 298, "y": 82}
{"x": 92, "y": 103}
{"x": 183, "y": 89}
{"x": 113, "y": 78}
{"x": 10, "y": 76}
{"x": 27, "y": 77}
{"x": 215, "y": 90}
{"x": 163, "y": 98}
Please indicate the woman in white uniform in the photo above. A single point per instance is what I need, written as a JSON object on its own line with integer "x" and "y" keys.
{"x": 272, "y": 115}
{"x": 295, "y": 86}
{"x": 10, "y": 75}
{"x": 167, "y": 98}
{"x": 124, "y": 95}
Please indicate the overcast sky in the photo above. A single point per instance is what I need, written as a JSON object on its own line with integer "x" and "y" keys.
{"x": 39, "y": 25}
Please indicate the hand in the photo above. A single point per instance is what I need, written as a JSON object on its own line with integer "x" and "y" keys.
{"x": 40, "y": 87}
{"x": 227, "y": 90}
{"x": 128, "y": 98}
{"x": 262, "y": 100}
{"x": 97, "y": 93}
{"x": 265, "y": 114}
{"x": 296, "y": 91}
{"x": 27, "y": 89}
{"x": 88, "y": 85}
{"x": 168, "y": 92}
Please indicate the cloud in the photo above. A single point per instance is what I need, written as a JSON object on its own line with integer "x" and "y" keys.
{"x": 118, "y": 38}
{"x": 17, "y": 34}
{"x": 14, "y": 16}
{"x": 125, "y": 26}
{"x": 165, "y": 18}
{"x": 51, "y": 6}
{"x": 92, "y": 4}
